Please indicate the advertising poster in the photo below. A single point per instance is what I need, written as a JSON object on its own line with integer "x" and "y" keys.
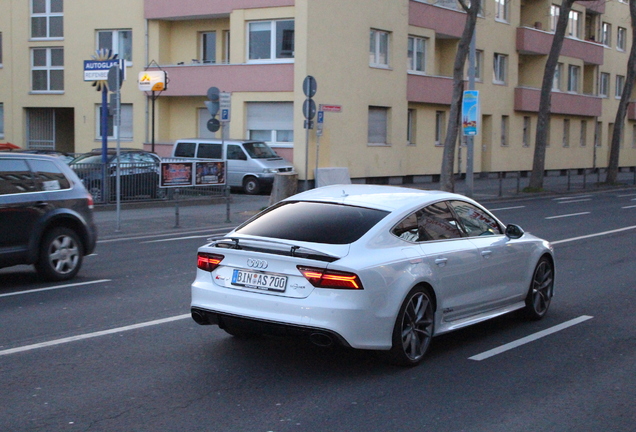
{"x": 209, "y": 173}
{"x": 470, "y": 112}
{"x": 175, "y": 174}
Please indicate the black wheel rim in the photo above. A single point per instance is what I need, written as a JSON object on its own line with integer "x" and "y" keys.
{"x": 417, "y": 326}
{"x": 542, "y": 287}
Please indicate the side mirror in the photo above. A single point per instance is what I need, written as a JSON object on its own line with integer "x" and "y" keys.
{"x": 514, "y": 231}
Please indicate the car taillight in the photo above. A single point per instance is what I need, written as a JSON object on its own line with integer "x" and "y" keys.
{"x": 208, "y": 261}
{"x": 324, "y": 278}
{"x": 91, "y": 202}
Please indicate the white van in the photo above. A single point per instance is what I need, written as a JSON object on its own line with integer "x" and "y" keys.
{"x": 251, "y": 165}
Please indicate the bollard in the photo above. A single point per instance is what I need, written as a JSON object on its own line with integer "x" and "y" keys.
{"x": 518, "y": 182}
{"x": 176, "y": 208}
{"x": 500, "y": 184}
{"x": 569, "y": 171}
{"x": 226, "y": 192}
{"x": 584, "y": 178}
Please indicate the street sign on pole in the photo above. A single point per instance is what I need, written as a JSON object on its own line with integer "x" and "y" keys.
{"x": 225, "y": 104}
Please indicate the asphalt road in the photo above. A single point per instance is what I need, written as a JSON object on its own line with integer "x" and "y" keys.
{"x": 115, "y": 349}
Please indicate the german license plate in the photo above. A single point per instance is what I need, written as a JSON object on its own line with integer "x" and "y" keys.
{"x": 262, "y": 281}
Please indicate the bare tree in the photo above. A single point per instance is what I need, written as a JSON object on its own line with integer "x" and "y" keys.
{"x": 447, "y": 180}
{"x": 543, "y": 121}
{"x": 619, "y": 123}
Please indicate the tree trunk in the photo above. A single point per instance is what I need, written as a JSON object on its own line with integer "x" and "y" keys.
{"x": 619, "y": 122}
{"x": 543, "y": 121}
{"x": 447, "y": 182}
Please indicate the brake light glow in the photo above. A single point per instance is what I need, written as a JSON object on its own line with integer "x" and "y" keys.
{"x": 324, "y": 278}
{"x": 208, "y": 261}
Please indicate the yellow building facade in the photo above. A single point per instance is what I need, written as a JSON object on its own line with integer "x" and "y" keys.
{"x": 383, "y": 72}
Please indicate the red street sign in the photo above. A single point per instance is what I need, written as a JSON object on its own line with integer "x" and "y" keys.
{"x": 331, "y": 108}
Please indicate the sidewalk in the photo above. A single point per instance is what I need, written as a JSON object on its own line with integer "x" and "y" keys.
{"x": 150, "y": 218}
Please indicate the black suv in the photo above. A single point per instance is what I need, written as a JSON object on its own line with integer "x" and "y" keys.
{"x": 46, "y": 215}
{"x": 139, "y": 173}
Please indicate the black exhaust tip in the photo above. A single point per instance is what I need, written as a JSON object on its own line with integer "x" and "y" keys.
{"x": 200, "y": 317}
{"x": 321, "y": 339}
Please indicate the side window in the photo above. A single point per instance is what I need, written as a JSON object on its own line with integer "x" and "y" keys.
{"x": 210, "y": 151}
{"x": 15, "y": 177}
{"x": 185, "y": 149}
{"x": 475, "y": 221}
{"x": 234, "y": 152}
{"x": 435, "y": 222}
{"x": 48, "y": 176}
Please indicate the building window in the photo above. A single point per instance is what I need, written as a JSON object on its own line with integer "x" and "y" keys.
{"x": 598, "y": 130}
{"x": 1, "y": 120}
{"x": 118, "y": 42}
{"x": 440, "y": 123}
{"x": 558, "y": 77}
{"x": 0, "y": 49}
{"x": 574, "y": 25}
{"x": 479, "y": 65}
{"x": 621, "y": 39}
{"x": 272, "y": 122}
{"x": 500, "y": 65}
{"x": 554, "y": 16}
{"x": 583, "y": 134}
{"x": 47, "y": 69}
{"x": 504, "y": 130}
{"x": 411, "y": 126}
{"x": 416, "y": 54}
{"x": 526, "y": 131}
{"x": 566, "y": 133}
{"x": 378, "y": 48}
{"x": 502, "y": 10}
{"x": 620, "y": 83}
{"x": 47, "y": 19}
{"x": 271, "y": 40}
{"x": 603, "y": 84}
{"x": 125, "y": 129}
{"x": 226, "y": 46}
{"x": 574, "y": 73}
{"x": 208, "y": 47}
{"x": 634, "y": 136}
{"x": 606, "y": 34}
{"x": 378, "y": 125}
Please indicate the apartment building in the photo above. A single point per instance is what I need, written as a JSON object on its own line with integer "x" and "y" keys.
{"x": 384, "y": 67}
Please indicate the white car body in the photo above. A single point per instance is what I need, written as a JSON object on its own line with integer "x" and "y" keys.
{"x": 472, "y": 278}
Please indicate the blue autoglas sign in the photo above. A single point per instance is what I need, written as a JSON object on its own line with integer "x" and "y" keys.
{"x": 97, "y": 70}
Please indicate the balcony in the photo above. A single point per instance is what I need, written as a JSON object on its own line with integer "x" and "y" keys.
{"x": 429, "y": 89}
{"x": 194, "y": 80}
{"x": 631, "y": 111}
{"x": 527, "y": 99}
{"x": 445, "y": 22}
{"x": 594, "y": 5}
{"x": 197, "y": 9}
{"x": 531, "y": 41}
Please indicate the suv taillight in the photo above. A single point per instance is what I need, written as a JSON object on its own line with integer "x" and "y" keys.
{"x": 324, "y": 278}
{"x": 208, "y": 261}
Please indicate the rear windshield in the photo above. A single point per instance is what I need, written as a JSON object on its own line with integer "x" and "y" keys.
{"x": 314, "y": 222}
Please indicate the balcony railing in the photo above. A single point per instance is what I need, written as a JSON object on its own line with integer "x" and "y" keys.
{"x": 538, "y": 42}
{"x": 445, "y": 21}
{"x": 197, "y": 9}
{"x": 429, "y": 89}
{"x": 194, "y": 80}
{"x": 527, "y": 99}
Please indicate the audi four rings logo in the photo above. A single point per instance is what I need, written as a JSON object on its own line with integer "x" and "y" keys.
{"x": 257, "y": 263}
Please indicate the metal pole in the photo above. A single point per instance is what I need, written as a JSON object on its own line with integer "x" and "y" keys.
{"x": 307, "y": 154}
{"x": 152, "y": 132}
{"x": 469, "y": 139}
{"x": 117, "y": 122}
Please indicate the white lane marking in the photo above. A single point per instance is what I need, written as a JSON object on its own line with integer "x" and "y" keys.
{"x": 177, "y": 238}
{"x": 92, "y": 335}
{"x": 594, "y": 235}
{"x": 571, "y": 197}
{"x": 528, "y": 339}
{"x": 507, "y": 208}
{"x": 628, "y": 207}
{"x": 211, "y": 231}
{"x": 55, "y": 287}
{"x": 575, "y": 201}
{"x": 567, "y": 215}
{"x": 626, "y": 195}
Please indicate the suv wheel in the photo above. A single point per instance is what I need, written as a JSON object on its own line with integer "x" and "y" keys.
{"x": 61, "y": 254}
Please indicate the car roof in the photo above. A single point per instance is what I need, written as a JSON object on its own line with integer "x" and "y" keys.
{"x": 218, "y": 141}
{"x": 22, "y": 155}
{"x": 388, "y": 198}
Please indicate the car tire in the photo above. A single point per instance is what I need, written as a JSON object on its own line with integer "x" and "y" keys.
{"x": 251, "y": 186}
{"x": 61, "y": 254}
{"x": 413, "y": 329}
{"x": 541, "y": 290}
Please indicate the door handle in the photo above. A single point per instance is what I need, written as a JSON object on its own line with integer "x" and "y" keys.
{"x": 486, "y": 253}
{"x": 441, "y": 261}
